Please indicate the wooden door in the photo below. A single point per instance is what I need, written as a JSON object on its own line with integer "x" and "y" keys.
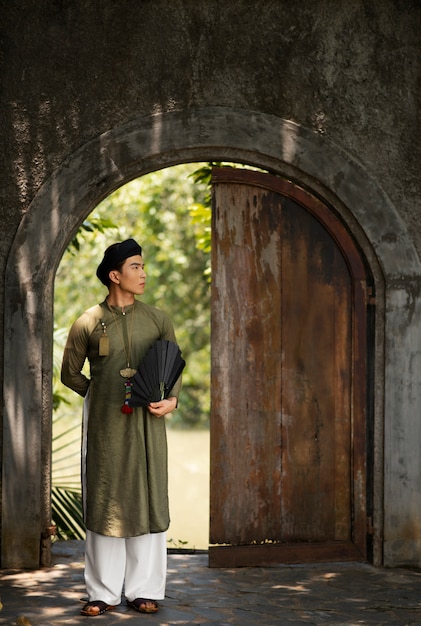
{"x": 288, "y": 443}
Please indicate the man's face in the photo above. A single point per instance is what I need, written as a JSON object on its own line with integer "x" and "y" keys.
{"x": 132, "y": 277}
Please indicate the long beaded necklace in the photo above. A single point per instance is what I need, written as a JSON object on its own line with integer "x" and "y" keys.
{"x": 126, "y": 372}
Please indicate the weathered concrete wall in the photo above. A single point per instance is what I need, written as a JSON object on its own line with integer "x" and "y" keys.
{"x": 73, "y": 70}
{"x": 348, "y": 72}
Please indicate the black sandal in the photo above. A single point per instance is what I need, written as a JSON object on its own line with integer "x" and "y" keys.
{"x": 96, "y": 604}
{"x": 140, "y": 604}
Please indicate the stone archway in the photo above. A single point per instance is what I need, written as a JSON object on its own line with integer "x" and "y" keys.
{"x": 150, "y": 143}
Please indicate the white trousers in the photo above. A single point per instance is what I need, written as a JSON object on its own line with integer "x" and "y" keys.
{"x": 137, "y": 563}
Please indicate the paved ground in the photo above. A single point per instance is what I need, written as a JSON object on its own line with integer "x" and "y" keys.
{"x": 350, "y": 594}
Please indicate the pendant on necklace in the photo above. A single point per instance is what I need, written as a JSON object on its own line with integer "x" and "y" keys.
{"x": 127, "y": 372}
{"x": 104, "y": 344}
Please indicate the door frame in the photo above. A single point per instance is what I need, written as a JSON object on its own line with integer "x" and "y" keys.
{"x": 148, "y": 143}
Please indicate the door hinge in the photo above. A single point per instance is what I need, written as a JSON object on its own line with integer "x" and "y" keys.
{"x": 370, "y": 526}
{"x": 48, "y": 532}
{"x": 370, "y": 297}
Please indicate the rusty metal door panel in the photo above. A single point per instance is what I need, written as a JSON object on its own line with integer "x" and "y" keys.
{"x": 284, "y": 406}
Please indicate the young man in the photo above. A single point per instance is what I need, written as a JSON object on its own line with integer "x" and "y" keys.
{"x": 124, "y": 450}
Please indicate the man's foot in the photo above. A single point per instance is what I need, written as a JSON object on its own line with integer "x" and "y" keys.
{"x": 96, "y": 607}
{"x": 143, "y": 605}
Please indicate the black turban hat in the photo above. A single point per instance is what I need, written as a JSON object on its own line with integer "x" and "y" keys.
{"x": 114, "y": 255}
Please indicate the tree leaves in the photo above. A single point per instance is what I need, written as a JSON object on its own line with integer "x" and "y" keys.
{"x": 168, "y": 212}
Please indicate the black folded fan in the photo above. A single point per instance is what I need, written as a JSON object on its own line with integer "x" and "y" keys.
{"x": 157, "y": 373}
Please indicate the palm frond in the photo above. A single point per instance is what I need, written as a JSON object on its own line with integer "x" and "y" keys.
{"x": 68, "y": 513}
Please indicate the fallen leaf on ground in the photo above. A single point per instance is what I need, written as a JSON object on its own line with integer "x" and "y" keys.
{"x": 23, "y": 621}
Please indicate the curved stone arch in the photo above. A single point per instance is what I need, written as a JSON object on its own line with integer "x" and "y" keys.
{"x": 94, "y": 171}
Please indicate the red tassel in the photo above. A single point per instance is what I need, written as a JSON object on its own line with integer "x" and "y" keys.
{"x": 126, "y": 408}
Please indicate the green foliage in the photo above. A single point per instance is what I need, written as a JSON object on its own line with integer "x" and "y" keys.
{"x": 168, "y": 212}
{"x": 67, "y": 511}
{"x": 59, "y": 341}
{"x": 66, "y": 496}
{"x": 91, "y": 225}
{"x": 169, "y": 215}
{"x": 201, "y": 215}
